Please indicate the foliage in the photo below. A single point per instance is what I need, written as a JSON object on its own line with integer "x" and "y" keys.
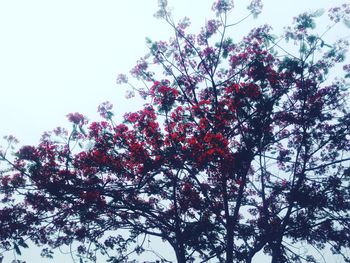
{"x": 242, "y": 148}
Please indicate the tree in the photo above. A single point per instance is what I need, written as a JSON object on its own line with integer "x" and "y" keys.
{"x": 243, "y": 147}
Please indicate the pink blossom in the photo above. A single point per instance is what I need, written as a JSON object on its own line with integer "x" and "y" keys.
{"x": 222, "y": 6}
{"x": 121, "y": 79}
{"x": 105, "y": 110}
{"x": 76, "y": 118}
{"x": 255, "y": 7}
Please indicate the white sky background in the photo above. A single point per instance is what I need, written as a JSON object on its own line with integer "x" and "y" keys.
{"x": 58, "y": 57}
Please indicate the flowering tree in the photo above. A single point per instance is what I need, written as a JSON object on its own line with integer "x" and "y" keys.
{"x": 243, "y": 147}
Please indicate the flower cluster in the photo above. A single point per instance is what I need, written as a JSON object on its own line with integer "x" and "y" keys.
{"x": 222, "y": 6}
{"x": 76, "y": 118}
{"x": 340, "y": 13}
{"x": 105, "y": 110}
{"x": 121, "y": 79}
{"x": 255, "y": 7}
{"x": 164, "y": 96}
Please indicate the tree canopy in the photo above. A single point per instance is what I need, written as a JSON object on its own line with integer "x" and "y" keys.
{"x": 241, "y": 148}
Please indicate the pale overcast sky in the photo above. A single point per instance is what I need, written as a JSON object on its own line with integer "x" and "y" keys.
{"x": 58, "y": 57}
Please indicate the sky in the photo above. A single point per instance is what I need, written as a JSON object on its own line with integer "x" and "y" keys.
{"x": 58, "y": 57}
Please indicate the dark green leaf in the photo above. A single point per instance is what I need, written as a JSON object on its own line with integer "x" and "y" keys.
{"x": 18, "y": 251}
{"x": 22, "y": 243}
{"x": 303, "y": 48}
{"x": 318, "y": 12}
{"x": 347, "y": 172}
{"x": 148, "y": 40}
{"x": 346, "y": 23}
{"x": 82, "y": 130}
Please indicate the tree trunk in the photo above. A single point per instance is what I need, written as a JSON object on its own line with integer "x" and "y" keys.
{"x": 229, "y": 242}
{"x": 180, "y": 254}
{"x": 277, "y": 256}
